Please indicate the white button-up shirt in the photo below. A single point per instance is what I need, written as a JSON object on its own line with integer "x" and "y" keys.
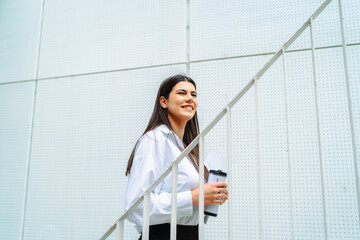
{"x": 154, "y": 153}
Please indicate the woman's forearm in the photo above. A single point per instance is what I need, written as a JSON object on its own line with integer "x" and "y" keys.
{"x": 213, "y": 193}
{"x": 195, "y": 196}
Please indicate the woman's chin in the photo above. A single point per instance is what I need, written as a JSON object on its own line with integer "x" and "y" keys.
{"x": 184, "y": 117}
{"x": 190, "y": 117}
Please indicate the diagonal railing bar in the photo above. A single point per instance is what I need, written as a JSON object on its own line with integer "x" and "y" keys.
{"x": 212, "y": 124}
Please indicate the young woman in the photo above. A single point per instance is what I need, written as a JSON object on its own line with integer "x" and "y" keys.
{"x": 172, "y": 126}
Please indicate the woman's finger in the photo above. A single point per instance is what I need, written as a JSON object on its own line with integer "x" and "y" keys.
{"x": 220, "y": 184}
{"x": 218, "y": 196}
{"x": 218, "y": 200}
{"x": 224, "y": 197}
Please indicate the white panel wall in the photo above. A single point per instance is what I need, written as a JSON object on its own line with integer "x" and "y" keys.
{"x": 19, "y": 36}
{"x": 98, "y": 76}
{"x": 82, "y": 36}
{"x": 354, "y": 72}
{"x": 338, "y": 158}
{"x": 16, "y": 101}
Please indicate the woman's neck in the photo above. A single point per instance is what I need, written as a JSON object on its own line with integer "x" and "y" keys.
{"x": 178, "y": 127}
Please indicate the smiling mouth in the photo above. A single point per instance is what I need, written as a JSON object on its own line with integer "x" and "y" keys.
{"x": 188, "y": 107}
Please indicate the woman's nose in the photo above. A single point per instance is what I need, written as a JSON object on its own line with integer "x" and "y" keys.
{"x": 189, "y": 98}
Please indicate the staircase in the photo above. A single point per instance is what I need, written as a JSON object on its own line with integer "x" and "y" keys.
{"x": 145, "y": 198}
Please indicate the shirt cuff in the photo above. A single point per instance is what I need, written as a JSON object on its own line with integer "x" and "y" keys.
{"x": 184, "y": 203}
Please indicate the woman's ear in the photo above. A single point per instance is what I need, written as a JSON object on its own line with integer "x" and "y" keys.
{"x": 163, "y": 102}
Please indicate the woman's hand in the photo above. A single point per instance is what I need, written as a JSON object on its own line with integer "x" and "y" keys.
{"x": 213, "y": 193}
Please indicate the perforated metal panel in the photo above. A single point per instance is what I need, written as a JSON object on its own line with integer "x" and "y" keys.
{"x": 274, "y": 166}
{"x": 339, "y": 164}
{"x": 110, "y": 36}
{"x": 19, "y": 35}
{"x": 237, "y": 28}
{"x": 308, "y": 217}
{"x": 354, "y": 72}
{"x": 16, "y": 101}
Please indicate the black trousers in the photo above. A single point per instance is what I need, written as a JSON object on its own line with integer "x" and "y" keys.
{"x": 183, "y": 232}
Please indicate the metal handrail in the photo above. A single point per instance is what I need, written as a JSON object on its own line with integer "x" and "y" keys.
{"x": 120, "y": 221}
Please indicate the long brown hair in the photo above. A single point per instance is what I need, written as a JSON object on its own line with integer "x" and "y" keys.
{"x": 159, "y": 116}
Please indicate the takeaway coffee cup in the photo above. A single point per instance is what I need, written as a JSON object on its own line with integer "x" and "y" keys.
{"x": 214, "y": 176}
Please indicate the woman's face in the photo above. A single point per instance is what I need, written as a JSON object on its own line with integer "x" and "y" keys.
{"x": 182, "y": 102}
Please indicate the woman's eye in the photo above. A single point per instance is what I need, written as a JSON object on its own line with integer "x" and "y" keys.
{"x": 194, "y": 95}
{"x": 182, "y": 93}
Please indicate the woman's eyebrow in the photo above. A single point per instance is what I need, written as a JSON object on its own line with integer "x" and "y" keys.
{"x": 185, "y": 90}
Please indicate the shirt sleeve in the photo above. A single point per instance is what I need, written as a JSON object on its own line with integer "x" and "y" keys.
{"x": 146, "y": 168}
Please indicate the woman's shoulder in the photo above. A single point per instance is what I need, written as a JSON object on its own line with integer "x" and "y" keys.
{"x": 157, "y": 135}
{"x": 153, "y": 142}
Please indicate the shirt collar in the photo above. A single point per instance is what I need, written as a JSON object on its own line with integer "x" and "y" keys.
{"x": 166, "y": 130}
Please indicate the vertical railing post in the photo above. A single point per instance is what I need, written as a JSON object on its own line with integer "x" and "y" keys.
{"x": 201, "y": 187}
{"x": 146, "y": 217}
{"x": 349, "y": 101}
{"x": 187, "y": 52}
{"x": 318, "y": 127}
{"x": 119, "y": 230}
{"x": 258, "y": 157}
{"x": 288, "y": 144}
{"x": 174, "y": 201}
{"x": 230, "y": 200}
